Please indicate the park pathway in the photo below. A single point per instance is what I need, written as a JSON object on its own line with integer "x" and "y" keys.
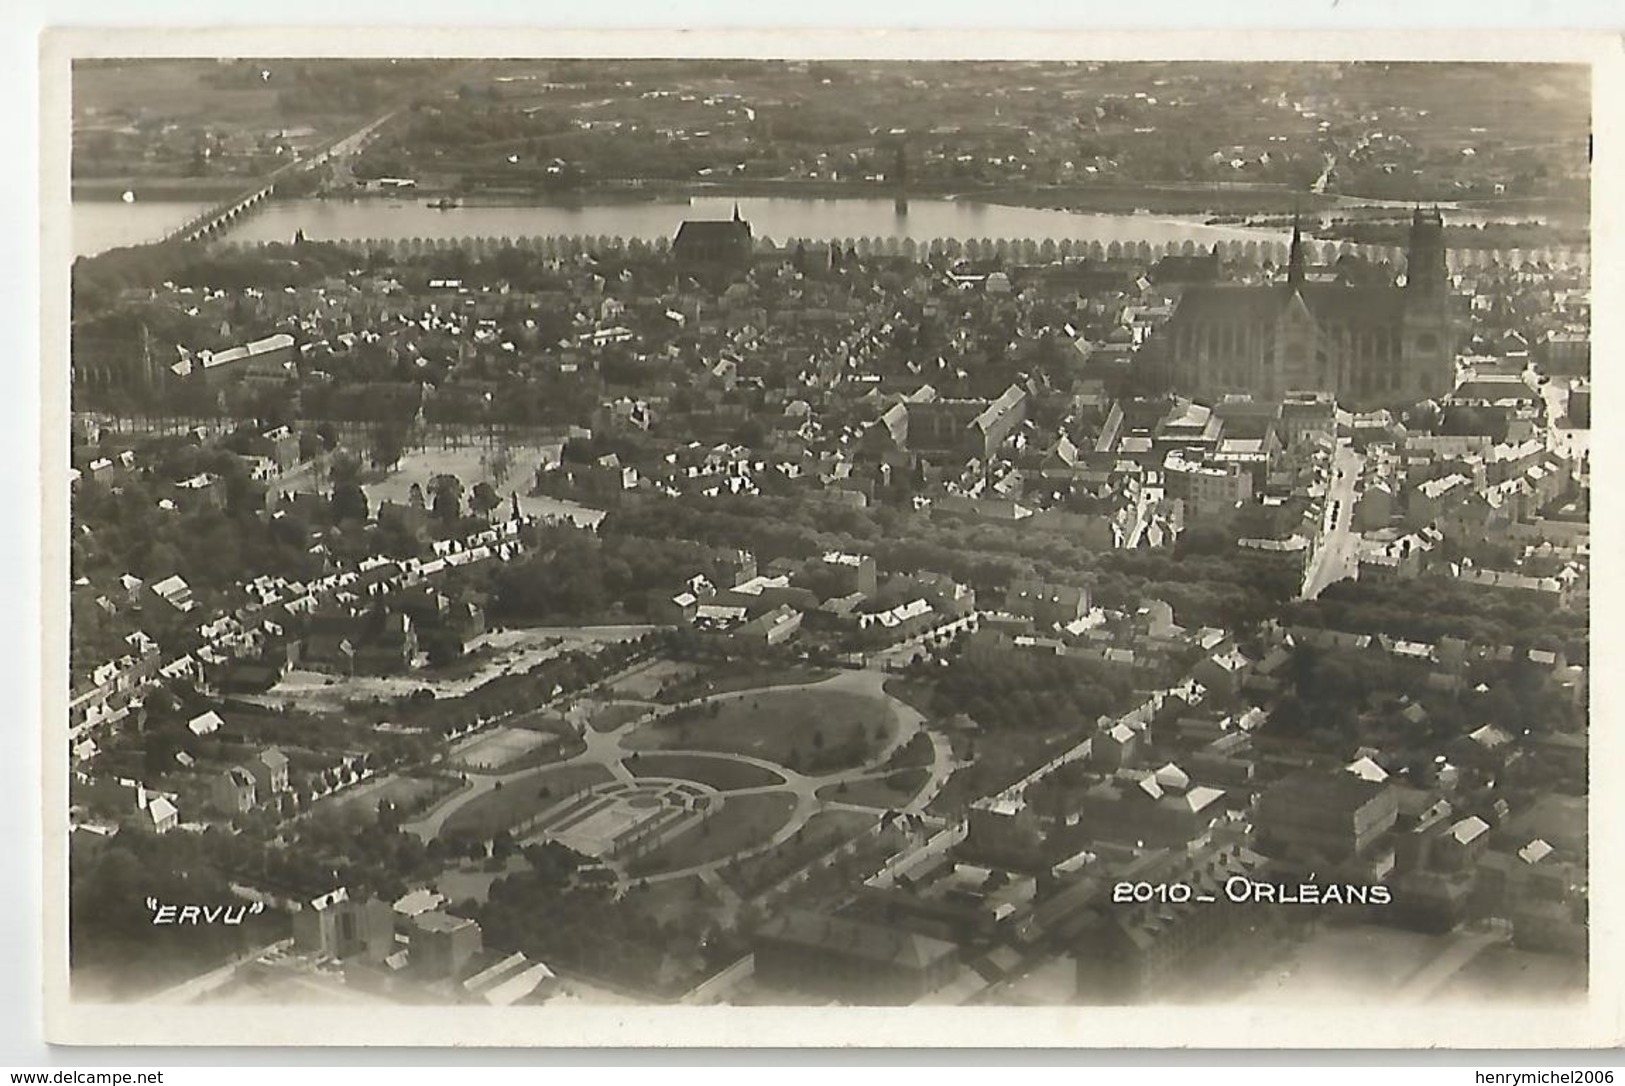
{"x": 943, "y": 765}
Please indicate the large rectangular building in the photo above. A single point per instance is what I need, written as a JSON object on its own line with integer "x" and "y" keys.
{"x": 265, "y": 359}
{"x": 1366, "y": 345}
{"x": 441, "y": 945}
{"x": 1331, "y": 816}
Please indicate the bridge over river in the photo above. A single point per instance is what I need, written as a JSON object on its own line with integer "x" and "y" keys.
{"x": 215, "y": 221}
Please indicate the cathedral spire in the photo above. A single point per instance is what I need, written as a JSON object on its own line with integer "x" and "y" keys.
{"x": 1294, "y": 267}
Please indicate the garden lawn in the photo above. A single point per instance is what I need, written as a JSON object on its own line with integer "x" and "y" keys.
{"x": 809, "y": 730}
{"x": 710, "y": 683}
{"x": 888, "y": 793}
{"x": 719, "y": 773}
{"x": 611, "y": 715}
{"x": 502, "y": 808}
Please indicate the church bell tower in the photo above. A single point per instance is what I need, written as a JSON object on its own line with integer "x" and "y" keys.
{"x": 1429, "y": 332}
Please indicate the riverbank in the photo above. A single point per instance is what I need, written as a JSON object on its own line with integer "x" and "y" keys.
{"x": 1099, "y": 199}
{"x": 1170, "y": 199}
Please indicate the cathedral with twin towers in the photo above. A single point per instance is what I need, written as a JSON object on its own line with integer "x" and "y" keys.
{"x": 1384, "y": 345}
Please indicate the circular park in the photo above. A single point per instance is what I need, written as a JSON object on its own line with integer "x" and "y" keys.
{"x": 662, "y": 792}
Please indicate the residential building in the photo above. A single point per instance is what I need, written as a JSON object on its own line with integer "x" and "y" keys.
{"x": 159, "y": 812}
{"x": 233, "y": 791}
{"x": 770, "y": 628}
{"x": 857, "y": 573}
{"x": 1047, "y": 605}
{"x": 1207, "y": 489}
{"x": 270, "y": 771}
{"x": 337, "y": 926}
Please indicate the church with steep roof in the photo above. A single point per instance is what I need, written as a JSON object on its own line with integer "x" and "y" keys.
{"x": 713, "y": 243}
{"x": 1370, "y": 346}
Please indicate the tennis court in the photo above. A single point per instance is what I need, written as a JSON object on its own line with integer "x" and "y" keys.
{"x": 499, "y": 746}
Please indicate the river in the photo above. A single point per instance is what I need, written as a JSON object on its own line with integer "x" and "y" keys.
{"x": 100, "y": 225}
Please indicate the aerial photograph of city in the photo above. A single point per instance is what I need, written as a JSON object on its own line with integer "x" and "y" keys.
{"x": 827, "y": 533}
